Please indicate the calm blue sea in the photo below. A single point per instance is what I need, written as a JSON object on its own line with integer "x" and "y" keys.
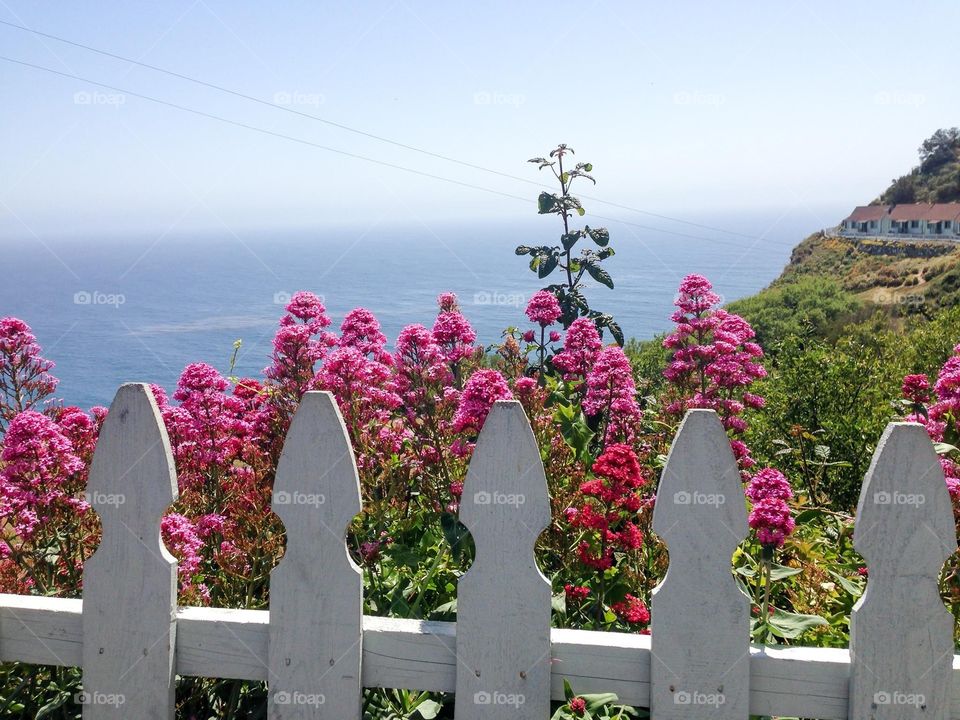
{"x": 113, "y": 310}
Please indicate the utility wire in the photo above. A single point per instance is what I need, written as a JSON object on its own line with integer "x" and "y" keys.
{"x": 346, "y": 153}
{"x": 356, "y": 131}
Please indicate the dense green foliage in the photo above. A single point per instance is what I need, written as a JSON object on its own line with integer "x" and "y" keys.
{"x": 936, "y": 178}
{"x": 809, "y": 307}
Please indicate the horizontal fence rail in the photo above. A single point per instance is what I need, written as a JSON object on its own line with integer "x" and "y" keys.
{"x": 317, "y": 651}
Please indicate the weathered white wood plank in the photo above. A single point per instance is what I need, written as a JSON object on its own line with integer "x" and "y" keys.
{"x": 129, "y": 584}
{"x": 700, "y": 619}
{"x": 503, "y": 601}
{"x": 901, "y": 635}
{"x": 399, "y": 653}
{"x": 316, "y": 592}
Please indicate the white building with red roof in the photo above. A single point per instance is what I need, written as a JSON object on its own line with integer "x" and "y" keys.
{"x": 906, "y": 220}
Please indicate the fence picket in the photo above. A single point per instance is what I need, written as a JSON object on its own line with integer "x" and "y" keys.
{"x": 316, "y": 592}
{"x": 503, "y": 601}
{"x": 700, "y": 633}
{"x": 129, "y": 584}
{"x": 901, "y": 635}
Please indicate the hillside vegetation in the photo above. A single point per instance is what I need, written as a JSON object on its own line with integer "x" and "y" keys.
{"x": 936, "y": 178}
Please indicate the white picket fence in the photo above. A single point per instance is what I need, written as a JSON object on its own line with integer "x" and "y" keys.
{"x": 317, "y": 650}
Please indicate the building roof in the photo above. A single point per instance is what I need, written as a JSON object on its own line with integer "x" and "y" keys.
{"x": 944, "y": 211}
{"x": 932, "y": 212}
{"x": 865, "y": 213}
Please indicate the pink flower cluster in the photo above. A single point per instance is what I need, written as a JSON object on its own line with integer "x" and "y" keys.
{"x": 482, "y": 390}
{"x": 612, "y": 394}
{"x": 714, "y": 360}
{"x": 25, "y": 377}
{"x": 942, "y": 417}
{"x": 580, "y": 347}
{"x": 770, "y": 516}
{"x": 543, "y": 308}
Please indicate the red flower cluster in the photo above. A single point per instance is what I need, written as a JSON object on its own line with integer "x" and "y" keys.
{"x": 611, "y": 499}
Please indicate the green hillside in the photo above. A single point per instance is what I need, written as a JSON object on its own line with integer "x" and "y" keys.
{"x": 936, "y": 178}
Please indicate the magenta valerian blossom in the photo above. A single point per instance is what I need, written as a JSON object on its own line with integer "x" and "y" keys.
{"x": 612, "y": 394}
{"x": 35, "y": 481}
{"x": 770, "y": 516}
{"x": 181, "y": 536}
{"x": 942, "y": 418}
{"x": 455, "y": 336}
{"x": 543, "y": 308}
{"x": 916, "y": 388}
{"x": 363, "y": 389}
{"x": 714, "y": 361}
{"x": 299, "y": 344}
{"x": 579, "y": 350}
{"x": 482, "y": 390}
{"x": 448, "y": 302}
{"x": 421, "y": 367}
{"x": 361, "y": 330}
{"x": 25, "y": 378}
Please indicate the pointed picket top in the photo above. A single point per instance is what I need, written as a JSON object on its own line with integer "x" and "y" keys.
{"x": 905, "y": 532}
{"x": 700, "y": 639}
{"x": 129, "y": 584}
{"x": 503, "y": 601}
{"x": 316, "y": 592}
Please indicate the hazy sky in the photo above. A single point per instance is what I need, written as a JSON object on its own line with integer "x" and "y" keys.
{"x": 694, "y": 109}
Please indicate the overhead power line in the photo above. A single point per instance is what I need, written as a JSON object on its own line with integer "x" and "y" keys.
{"x": 356, "y": 131}
{"x": 345, "y": 153}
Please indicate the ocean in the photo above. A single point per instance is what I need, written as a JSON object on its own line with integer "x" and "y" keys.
{"x": 115, "y": 310}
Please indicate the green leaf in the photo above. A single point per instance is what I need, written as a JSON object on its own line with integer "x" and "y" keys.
{"x": 781, "y": 572}
{"x": 546, "y": 203}
{"x": 581, "y": 212}
{"x": 564, "y": 177}
{"x": 601, "y": 236}
{"x": 429, "y": 709}
{"x": 808, "y": 515}
{"x": 588, "y": 167}
{"x": 943, "y": 448}
{"x": 523, "y": 250}
{"x": 790, "y": 625}
{"x": 547, "y": 266}
{"x": 599, "y": 274}
{"x": 597, "y": 700}
{"x": 568, "y": 240}
{"x": 567, "y": 691}
{"x": 851, "y": 587}
{"x": 558, "y": 602}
